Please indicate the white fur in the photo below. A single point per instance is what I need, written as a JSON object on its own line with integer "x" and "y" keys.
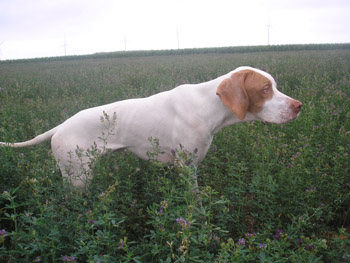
{"x": 189, "y": 115}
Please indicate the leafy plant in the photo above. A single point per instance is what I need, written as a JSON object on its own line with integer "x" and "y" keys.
{"x": 267, "y": 193}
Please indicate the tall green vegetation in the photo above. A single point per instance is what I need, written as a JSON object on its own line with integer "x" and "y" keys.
{"x": 267, "y": 193}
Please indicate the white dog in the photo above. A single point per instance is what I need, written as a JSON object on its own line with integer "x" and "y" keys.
{"x": 189, "y": 115}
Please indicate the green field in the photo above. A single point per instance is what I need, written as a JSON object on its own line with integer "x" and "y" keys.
{"x": 267, "y": 193}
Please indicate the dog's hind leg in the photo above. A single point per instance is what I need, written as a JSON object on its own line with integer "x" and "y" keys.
{"x": 75, "y": 163}
{"x": 76, "y": 171}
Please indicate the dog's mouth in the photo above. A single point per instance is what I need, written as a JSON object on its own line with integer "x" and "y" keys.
{"x": 284, "y": 117}
{"x": 281, "y": 121}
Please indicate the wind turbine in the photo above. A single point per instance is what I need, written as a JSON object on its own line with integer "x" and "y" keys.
{"x": 0, "y": 49}
{"x": 178, "y": 37}
{"x": 64, "y": 46}
{"x": 125, "y": 41}
{"x": 268, "y": 32}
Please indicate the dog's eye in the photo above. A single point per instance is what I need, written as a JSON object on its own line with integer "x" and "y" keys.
{"x": 266, "y": 89}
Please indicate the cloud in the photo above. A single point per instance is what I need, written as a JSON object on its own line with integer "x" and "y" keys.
{"x": 39, "y": 27}
{"x": 41, "y": 18}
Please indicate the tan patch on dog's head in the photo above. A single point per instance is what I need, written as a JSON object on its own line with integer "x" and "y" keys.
{"x": 246, "y": 90}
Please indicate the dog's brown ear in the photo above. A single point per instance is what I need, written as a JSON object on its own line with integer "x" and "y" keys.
{"x": 234, "y": 96}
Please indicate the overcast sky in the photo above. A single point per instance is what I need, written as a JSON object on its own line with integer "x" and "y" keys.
{"x": 42, "y": 28}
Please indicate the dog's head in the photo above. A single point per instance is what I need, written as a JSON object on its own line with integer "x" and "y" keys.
{"x": 250, "y": 90}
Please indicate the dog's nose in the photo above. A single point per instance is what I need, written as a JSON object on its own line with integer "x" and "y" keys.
{"x": 296, "y": 105}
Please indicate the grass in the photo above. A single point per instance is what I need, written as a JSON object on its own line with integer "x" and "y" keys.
{"x": 267, "y": 193}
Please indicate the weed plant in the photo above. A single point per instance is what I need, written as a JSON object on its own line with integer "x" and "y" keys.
{"x": 267, "y": 193}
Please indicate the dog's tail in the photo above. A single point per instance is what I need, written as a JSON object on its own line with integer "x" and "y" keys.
{"x": 38, "y": 139}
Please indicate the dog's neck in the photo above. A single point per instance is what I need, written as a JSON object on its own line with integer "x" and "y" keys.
{"x": 211, "y": 110}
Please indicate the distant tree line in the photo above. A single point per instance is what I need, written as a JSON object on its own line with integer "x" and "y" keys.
{"x": 190, "y": 51}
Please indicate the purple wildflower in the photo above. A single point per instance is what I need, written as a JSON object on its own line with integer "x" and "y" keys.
{"x": 133, "y": 203}
{"x": 163, "y": 206}
{"x": 309, "y": 247}
{"x": 296, "y": 155}
{"x": 241, "y": 241}
{"x": 250, "y": 235}
{"x": 37, "y": 259}
{"x": 68, "y": 259}
{"x": 173, "y": 152}
{"x": 161, "y": 228}
{"x": 69, "y": 171}
{"x": 188, "y": 162}
{"x": 3, "y": 233}
{"x": 182, "y": 222}
{"x": 263, "y": 245}
{"x": 91, "y": 222}
{"x": 277, "y": 236}
{"x": 121, "y": 244}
